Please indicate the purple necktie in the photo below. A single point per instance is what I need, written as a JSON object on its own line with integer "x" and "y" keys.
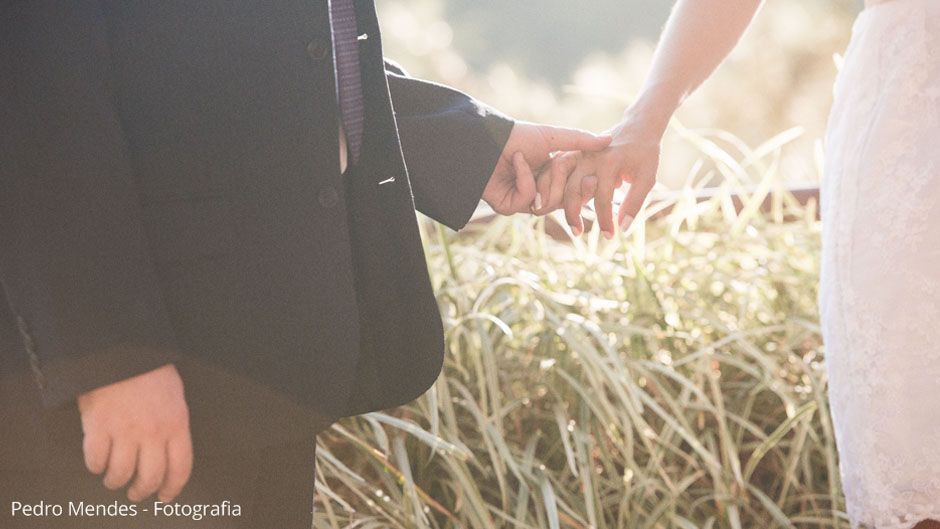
{"x": 348, "y": 80}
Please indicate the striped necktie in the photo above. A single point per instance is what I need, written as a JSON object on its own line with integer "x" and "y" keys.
{"x": 348, "y": 79}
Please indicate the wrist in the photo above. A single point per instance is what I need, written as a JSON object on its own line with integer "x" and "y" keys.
{"x": 649, "y": 115}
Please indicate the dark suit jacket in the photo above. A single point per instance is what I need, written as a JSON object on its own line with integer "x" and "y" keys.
{"x": 170, "y": 192}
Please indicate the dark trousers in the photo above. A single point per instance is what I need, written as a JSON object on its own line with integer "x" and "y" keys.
{"x": 273, "y": 486}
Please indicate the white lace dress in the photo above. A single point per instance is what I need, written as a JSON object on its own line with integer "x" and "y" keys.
{"x": 880, "y": 287}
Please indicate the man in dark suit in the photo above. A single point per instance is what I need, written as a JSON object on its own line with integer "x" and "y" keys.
{"x": 208, "y": 239}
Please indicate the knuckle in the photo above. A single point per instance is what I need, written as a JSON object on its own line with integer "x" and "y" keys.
{"x": 180, "y": 421}
{"x": 99, "y": 427}
{"x": 91, "y": 422}
{"x": 144, "y": 431}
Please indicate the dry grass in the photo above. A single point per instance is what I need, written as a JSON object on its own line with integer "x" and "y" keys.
{"x": 671, "y": 378}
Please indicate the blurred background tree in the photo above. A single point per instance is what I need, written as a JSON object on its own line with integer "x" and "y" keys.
{"x": 581, "y": 63}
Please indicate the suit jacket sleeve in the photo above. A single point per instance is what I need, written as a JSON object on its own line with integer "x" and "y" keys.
{"x": 74, "y": 257}
{"x": 451, "y": 144}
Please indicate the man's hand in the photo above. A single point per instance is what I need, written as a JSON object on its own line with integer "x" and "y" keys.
{"x": 139, "y": 426}
{"x": 511, "y": 188}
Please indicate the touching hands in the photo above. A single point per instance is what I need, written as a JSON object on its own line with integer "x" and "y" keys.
{"x": 139, "y": 428}
{"x": 511, "y": 188}
{"x": 573, "y": 178}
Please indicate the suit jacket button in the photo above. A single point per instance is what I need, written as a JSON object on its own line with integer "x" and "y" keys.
{"x": 317, "y": 50}
{"x": 328, "y": 197}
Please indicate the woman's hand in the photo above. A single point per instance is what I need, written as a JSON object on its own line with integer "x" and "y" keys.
{"x": 698, "y": 36}
{"x": 573, "y": 178}
{"x": 632, "y": 157}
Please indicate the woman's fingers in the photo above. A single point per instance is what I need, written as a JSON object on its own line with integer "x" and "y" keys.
{"x": 565, "y": 183}
{"x": 121, "y": 464}
{"x": 608, "y": 180}
{"x": 96, "y": 447}
{"x": 588, "y": 189}
{"x": 151, "y": 468}
{"x": 636, "y": 197}
{"x": 179, "y": 467}
{"x": 573, "y": 207}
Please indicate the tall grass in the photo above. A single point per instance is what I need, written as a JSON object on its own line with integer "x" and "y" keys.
{"x": 671, "y": 378}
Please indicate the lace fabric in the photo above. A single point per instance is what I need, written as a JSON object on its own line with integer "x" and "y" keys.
{"x": 880, "y": 278}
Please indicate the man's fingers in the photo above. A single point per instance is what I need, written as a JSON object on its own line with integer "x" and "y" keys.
{"x": 524, "y": 194}
{"x": 179, "y": 467}
{"x": 607, "y": 183}
{"x": 151, "y": 468}
{"x": 96, "y": 448}
{"x": 121, "y": 464}
{"x": 562, "y": 139}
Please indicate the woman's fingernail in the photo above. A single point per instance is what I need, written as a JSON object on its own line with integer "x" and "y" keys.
{"x": 538, "y": 201}
{"x": 626, "y": 222}
{"x": 609, "y": 235}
